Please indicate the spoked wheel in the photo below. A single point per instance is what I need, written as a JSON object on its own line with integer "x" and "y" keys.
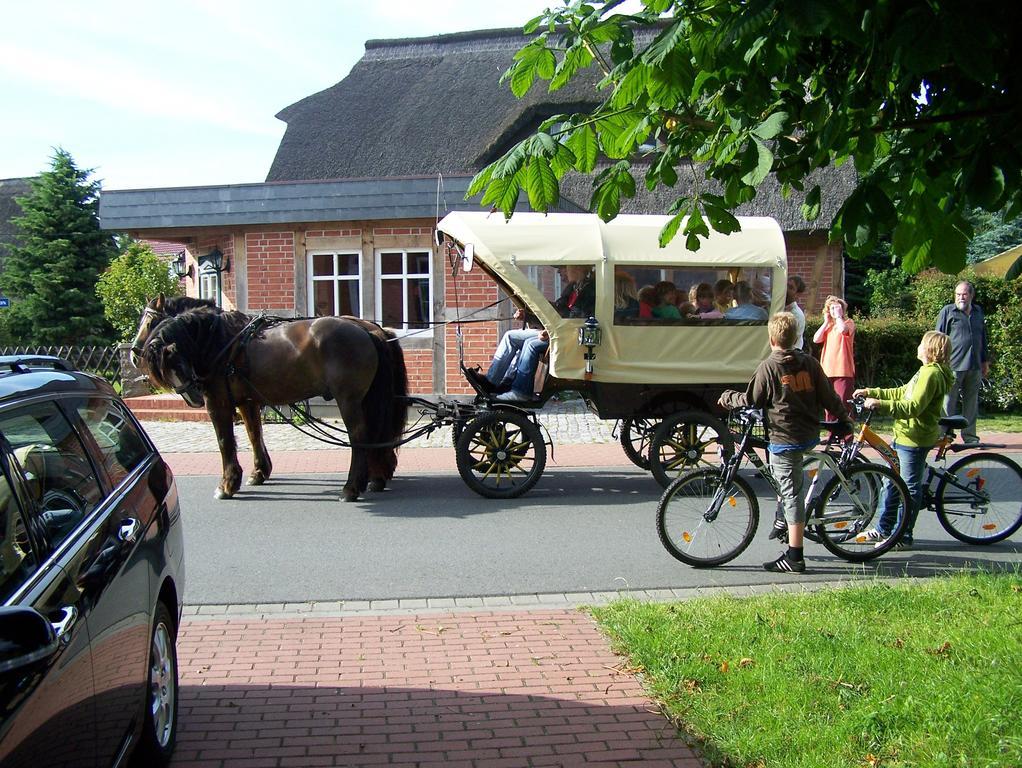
{"x": 685, "y": 441}
{"x": 846, "y": 509}
{"x": 979, "y": 500}
{"x": 636, "y": 437}
{"x": 501, "y": 454}
{"x": 817, "y": 474}
{"x": 703, "y": 524}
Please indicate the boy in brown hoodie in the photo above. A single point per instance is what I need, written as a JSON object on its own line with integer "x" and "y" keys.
{"x": 792, "y": 388}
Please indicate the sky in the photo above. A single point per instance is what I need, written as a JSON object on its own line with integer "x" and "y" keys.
{"x": 184, "y": 92}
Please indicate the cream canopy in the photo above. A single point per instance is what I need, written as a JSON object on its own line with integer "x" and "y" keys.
{"x": 655, "y": 354}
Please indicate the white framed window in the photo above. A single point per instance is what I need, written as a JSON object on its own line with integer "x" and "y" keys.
{"x": 404, "y": 288}
{"x": 208, "y": 284}
{"x": 335, "y": 283}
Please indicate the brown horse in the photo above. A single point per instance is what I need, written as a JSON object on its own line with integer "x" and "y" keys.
{"x": 212, "y": 358}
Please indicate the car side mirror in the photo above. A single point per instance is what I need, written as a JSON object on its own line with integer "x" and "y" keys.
{"x": 26, "y": 637}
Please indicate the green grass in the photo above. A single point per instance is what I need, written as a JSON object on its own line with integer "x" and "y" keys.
{"x": 928, "y": 674}
{"x": 994, "y": 422}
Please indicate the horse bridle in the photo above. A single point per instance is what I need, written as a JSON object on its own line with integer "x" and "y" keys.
{"x": 147, "y": 312}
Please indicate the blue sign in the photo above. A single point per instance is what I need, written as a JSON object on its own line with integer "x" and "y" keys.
{"x": 4, "y": 302}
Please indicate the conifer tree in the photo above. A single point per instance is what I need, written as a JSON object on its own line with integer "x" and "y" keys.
{"x": 51, "y": 274}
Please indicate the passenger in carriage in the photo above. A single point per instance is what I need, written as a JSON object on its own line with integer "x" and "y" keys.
{"x": 723, "y": 295}
{"x": 745, "y": 310}
{"x": 647, "y": 301}
{"x": 626, "y": 300}
{"x": 666, "y": 301}
{"x": 705, "y": 308}
{"x": 512, "y": 372}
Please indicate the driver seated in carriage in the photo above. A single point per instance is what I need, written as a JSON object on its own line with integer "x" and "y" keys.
{"x": 512, "y": 372}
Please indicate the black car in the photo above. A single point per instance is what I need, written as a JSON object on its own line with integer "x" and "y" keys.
{"x": 91, "y": 575}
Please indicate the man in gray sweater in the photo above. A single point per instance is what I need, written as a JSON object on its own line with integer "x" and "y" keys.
{"x": 963, "y": 322}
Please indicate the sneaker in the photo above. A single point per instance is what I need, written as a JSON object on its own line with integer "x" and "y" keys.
{"x": 779, "y": 530}
{"x": 512, "y": 397}
{"x": 876, "y": 536}
{"x": 784, "y": 565}
{"x": 903, "y": 544}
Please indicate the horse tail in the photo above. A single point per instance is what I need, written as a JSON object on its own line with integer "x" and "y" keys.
{"x": 399, "y": 376}
{"x": 384, "y": 406}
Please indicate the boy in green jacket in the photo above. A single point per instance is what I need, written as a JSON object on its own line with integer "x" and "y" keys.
{"x": 917, "y": 407}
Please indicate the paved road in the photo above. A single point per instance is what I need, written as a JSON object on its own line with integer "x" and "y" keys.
{"x": 578, "y": 531}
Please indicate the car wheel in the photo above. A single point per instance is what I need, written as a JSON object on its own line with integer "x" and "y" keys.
{"x": 160, "y": 729}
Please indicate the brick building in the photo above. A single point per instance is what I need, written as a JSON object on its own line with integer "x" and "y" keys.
{"x": 344, "y": 222}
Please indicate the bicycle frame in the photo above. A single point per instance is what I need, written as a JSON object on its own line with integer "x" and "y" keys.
{"x": 743, "y": 450}
{"x": 866, "y": 436}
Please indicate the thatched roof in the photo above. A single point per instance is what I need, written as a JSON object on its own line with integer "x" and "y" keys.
{"x": 433, "y": 105}
{"x": 10, "y": 210}
{"x": 417, "y": 107}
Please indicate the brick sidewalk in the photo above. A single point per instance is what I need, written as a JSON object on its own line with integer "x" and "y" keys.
{"x": 535, "y": 688}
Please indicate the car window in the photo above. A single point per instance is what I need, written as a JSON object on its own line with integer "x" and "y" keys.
{"x": 120, "y": 445}
{"x": 17, "y": 560}
{"x": 58, "y": 475}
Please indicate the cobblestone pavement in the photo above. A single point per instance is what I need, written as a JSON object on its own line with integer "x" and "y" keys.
{"x": 567, "y": 422}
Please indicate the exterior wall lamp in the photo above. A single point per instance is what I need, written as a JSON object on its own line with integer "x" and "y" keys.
{"x": 181, "y": 269}
{"x": 216, "y": 262}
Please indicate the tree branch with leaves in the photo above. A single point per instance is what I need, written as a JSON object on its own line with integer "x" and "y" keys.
{"x": 921, "y": 96}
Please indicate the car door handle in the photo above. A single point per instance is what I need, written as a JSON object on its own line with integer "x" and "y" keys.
{"x": 62, "y": 626}
{"x": 128, "y": 532}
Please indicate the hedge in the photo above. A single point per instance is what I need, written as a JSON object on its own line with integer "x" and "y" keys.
{"x": 885, "y": 352}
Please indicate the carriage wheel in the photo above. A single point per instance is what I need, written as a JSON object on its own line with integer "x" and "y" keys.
{"x": 501, "y": 454}
{"x": 688, "y": 440}
{"x": 636, "y": 436}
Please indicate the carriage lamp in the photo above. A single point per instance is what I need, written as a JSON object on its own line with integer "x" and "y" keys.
{"x": 589, "y": 336}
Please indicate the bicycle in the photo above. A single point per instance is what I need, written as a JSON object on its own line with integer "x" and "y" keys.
{"x": 978, "y": 499}
{"x": 708, "y": 517}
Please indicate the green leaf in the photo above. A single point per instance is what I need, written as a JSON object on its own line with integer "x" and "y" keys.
{"x": 771, "y": 126}
{"x": 479, "y": 181}
{"x": 541, "y": 184}
{"x": 546, "y": 63}
{"x": 575, "y": 59}
{"x": 610, "y": 186}
{"x": 949, "y": 247}
{"x": 753, "y": 49}
{"x": 532, "y": 60}
{"x": 631, "y": 87}
{"x": 619, "y": 133}
{"x": 721, "y": 219}
{"x": 811, "y": 206}
{"x": 582, "y": 142}
{"x": 664, "y": 43}
{"x": 671, "y": 228}
{"x": 985, "y": 183}
{"x": 512, "y": 160}
{"x": 764, "y": 161}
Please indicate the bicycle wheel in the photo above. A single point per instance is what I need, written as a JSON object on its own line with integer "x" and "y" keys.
{"x": 636, "y": 435}
{"x": 688, "y": 440}
{"x": 703, "y": 524}
{"x": 846, "y": 508}
{"x": 979, "y": 499}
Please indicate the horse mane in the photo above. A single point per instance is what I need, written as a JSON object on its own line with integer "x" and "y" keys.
{"x": 176, "y": 305}
{"x": 199, "y": 335}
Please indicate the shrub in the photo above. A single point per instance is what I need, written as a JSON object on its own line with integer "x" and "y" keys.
{"x": 885, "y": 349}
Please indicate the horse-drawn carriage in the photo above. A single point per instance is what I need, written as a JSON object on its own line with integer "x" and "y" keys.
{"x": 659, "y": 370}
